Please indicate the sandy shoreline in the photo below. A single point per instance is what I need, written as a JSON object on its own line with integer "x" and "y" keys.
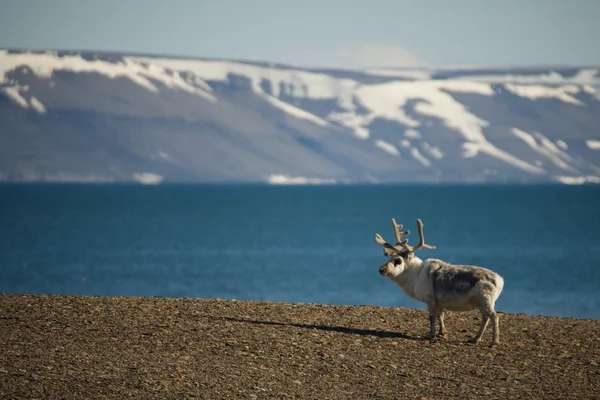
{"x": 80, "y": 347}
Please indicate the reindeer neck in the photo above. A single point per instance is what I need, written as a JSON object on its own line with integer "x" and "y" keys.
{"x": 407, "y": 279}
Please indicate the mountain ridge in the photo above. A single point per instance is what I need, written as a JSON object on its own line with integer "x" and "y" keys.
{"x": 92, "y": 116}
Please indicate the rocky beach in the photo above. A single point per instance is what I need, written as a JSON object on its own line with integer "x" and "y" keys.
{"x": 80, "y": 347}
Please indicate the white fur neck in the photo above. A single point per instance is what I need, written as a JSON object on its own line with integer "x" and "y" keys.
{"x": 408, "y": 278}
{"x": 416, "y": 261}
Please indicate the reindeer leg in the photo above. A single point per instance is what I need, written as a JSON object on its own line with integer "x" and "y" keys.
{"x": 442, "y": 331}
{"x": 484, "y": 321}
{"x": 434, "y": 314}
{"x": 495, "y": 328}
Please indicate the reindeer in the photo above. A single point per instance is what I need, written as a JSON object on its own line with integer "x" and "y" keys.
{"x": 440, "y": 285}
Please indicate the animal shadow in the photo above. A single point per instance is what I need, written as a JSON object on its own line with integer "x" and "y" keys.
{"x": 340, "y": 329}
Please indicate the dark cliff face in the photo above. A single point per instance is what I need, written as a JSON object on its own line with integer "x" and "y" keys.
{"x": 72, "y": 116}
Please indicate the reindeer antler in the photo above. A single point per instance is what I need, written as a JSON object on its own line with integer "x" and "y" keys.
{"x": 421, "y": 244}
{"x": 402, "y": 245}
{"x": 389, "y": 248}
{"x": 398, "y": 233}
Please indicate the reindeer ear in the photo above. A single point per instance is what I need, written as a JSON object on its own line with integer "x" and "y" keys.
{"x": 388, "y": 249}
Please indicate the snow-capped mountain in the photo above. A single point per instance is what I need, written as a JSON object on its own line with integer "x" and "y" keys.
{"x": 84, "y": 116}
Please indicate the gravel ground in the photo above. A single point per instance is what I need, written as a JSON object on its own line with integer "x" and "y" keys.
{"x": 78, "y": 347}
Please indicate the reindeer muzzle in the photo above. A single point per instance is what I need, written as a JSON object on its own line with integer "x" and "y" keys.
{"x": 383, "y": 270}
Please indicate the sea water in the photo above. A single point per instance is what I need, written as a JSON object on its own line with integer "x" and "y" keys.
{"x": 309, "y": 244}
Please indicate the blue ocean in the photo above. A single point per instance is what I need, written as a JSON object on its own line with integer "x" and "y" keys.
{"x": 309, "y": 244}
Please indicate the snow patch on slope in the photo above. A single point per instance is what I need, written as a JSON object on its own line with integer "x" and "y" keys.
{"x": 435, "y": 152}
{"x": 160, "y": 155}
{"x": 43, "y": 66}
{"x": 357, "y": 123}
{"x": 317, "y": 86}
{"x": 592, "y": 91}
{"x": 470, "y": 150}
{"x": 578, "y": 180}
{"x": 281, "y": 179}
{"x": 387, "y": 147}
{"x": 388, "y": 99}
{"x": 14, "y": 93}
{"x": 412, "y": 134}
{"x": 583, "y": 77}
{"x": 37, "y": 105}
{"x": 465, "y": 87}
{"x": 147, "y": 178}
{"x": 291, "y": 82}
{"x": 419, "y": 157}
{"x": 293, "y": 110}
{"x": 562, "y": 144}
{"x": 15, "y": 96}
{"x": 593, "y": 144}
{"x": 535, "y": 92}
{"x": 542, "y": 145}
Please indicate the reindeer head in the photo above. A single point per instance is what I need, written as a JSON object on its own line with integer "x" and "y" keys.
{"x": 400, "y": 255}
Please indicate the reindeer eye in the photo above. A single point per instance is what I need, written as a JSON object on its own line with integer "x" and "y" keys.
{"x": 397, "y": 261}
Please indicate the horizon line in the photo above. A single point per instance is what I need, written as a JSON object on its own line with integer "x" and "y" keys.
{"x": 430, "y": 68}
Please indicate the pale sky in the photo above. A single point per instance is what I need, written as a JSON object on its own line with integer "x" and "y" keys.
{"x": 357, "y": 33}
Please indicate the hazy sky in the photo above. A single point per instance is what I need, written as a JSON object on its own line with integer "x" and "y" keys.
{"x": 317, "y": 32}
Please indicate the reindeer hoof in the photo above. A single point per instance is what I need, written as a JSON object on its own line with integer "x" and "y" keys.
{"x": 442, "y": 335}
{"x": 473, "y": 341}
{"x": 429, "y": 335}
{"x": 494, "y": 344}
